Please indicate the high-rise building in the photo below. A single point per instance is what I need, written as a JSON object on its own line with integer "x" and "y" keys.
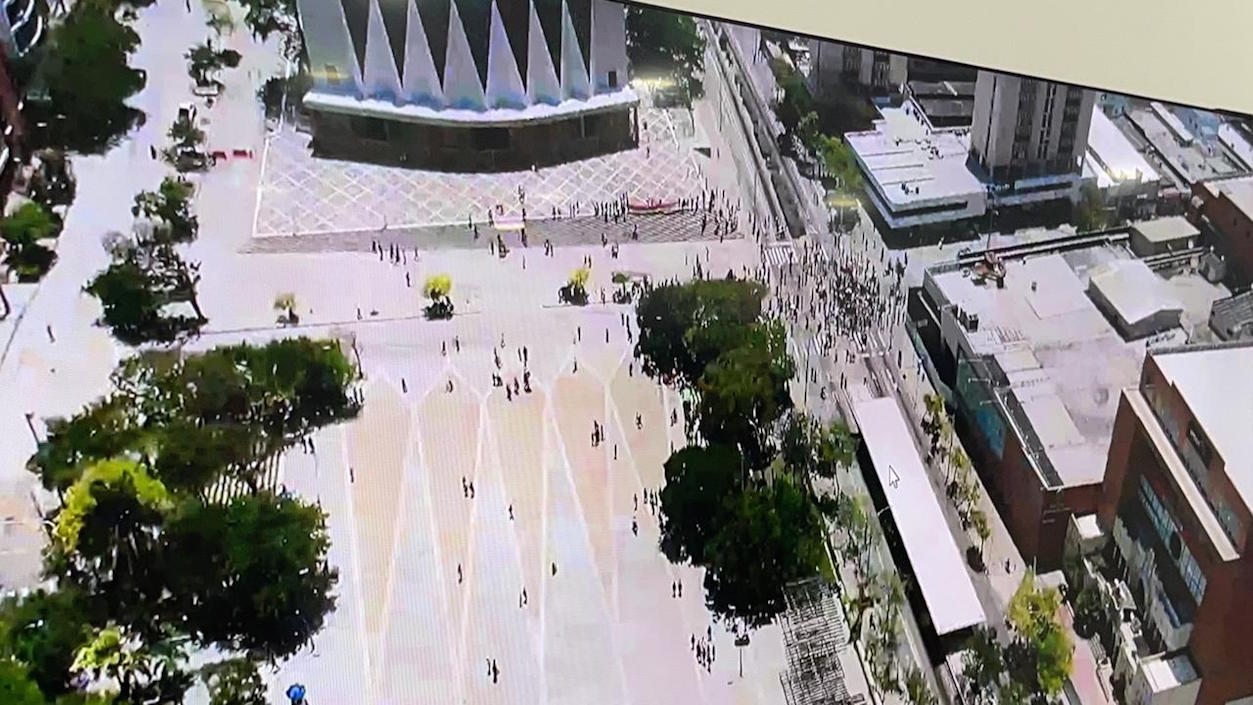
{"x": 1027, "y": 130}
{"x": 1169, "y": 551}
{"x": 468, "y": 85}
{"x": 871, "y": 70}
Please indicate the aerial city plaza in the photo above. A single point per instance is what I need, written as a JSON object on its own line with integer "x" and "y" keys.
{"x": 564, "y": 351}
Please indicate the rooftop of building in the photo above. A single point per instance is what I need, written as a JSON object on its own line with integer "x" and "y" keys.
{"x": 1060, "y": 362}
{"x": 1190, "y": 153}
{"x": 942, "y": 89}
{"x": 1113, "y": 157}
{"x": 1237, "y": 142}
{"x": 1216, "y": 382}
{"x": 1133, "y": 290}
{"x": 1238, "y": 190}
{"x": 910, "y": 164}
{"x": 1166, "y": 229}
{"x": 1169, "y": 671}
{"x": 1232, "y": 318}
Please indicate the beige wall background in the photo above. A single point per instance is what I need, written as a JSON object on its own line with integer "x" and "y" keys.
{"x": 1198, "y": 53}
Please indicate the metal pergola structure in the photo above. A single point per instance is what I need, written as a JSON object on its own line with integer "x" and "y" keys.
{"x": 814, "y": 634}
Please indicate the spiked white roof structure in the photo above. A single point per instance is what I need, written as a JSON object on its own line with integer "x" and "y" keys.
{"x": 459, "y": 60}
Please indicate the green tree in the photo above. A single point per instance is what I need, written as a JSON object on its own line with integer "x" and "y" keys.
{"x": 684, "y": 327}
{"x": 772, "y": 535}
{"x": 203, "y": 62}
{"x": 52, "y": 181}
{"x": 666, "y": 45}
{"x": 136, "y": 292}
{"x": 983, "y": 665}
{"x": 42, "y": 630}
{"x": 266, "y": 17}
{"x": 979, "y": 521}
{"x": 1089, "y": 212}
{"x": 841, "y": 163}
{"x": 104, "y": 429}
{"x": 143, "y": 672}
{"x": 699, "y": 484}
{"x": 87, "y": 81}
{"x": 1040, "y": 657}
{"x": 251, "y": 575}
{"x": 574, "y": 291}
{"x": 744, "y": 392}
{"x": 234, "y": 682}
{"x": 23, "y": 232}
{"x": 169, "y": 207}
{"x": 106, "y": 537}
{"x": 917, "y": 690}
{"x": 16, "y": 685}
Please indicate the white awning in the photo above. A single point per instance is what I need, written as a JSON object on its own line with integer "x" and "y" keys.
{"x": 938, "y": 565}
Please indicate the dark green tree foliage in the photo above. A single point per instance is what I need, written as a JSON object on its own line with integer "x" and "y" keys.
{"x": 224, "y": 412}
{"x": 24, "y": 233}
{"x": 87, "y": 79}
{"x": 251, "y": 575}
{"x": 147, "y": 570}
{"x": 104, "y": 429}
{"x": 265, "y": 17}
{"x": 169, "y": 207}
{"x": 684, "y": 327}
{"x": 699, "y": 483}
{"x": 234, "y": 682}
{"x": 744, "y": 392}
{"x": 137, "y": 292}
{"x": 42, "y": 631}
{"x": 810, "y": 449}
{"x": 16, "y": 685}
{"x": 668, "y": 45}
{"x": 771, "y": 535}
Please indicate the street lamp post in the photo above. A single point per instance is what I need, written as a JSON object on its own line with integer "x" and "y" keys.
{"x": 740, "y": 642}
{"x": 30, "y": 423}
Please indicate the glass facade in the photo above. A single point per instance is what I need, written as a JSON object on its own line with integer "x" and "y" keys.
{"x": 1168, "y": 530}
{"x": 1194, "y": 450}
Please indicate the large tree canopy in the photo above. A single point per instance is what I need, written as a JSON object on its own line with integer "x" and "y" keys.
{"x": 699, "y": 483}
{"x": 87, "y": 80}
{"x": 684, "y": 327}
{"x": 744, "y": 392}
{"x": 772, "y": 535}
{"x": 252, "y": 575}
{"x": 666, "y": 45}
{"x": 154, "y": 558}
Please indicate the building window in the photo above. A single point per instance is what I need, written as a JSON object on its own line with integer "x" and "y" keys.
{"x": 1196, "y": 438}
{"x": 613, "y": 79}
{"x": 1168, "y": 531}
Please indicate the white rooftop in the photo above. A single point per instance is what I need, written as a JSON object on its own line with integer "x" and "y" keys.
{"x": 937, "y": 563}
{"x": 1232, "y": 139}
{"x": 912, "y": 165}
{"x": 1065, "y": 363}
{"x": 1239, "y": 190}
{"x": 1217, "y": 386}
{"x": 1169, "y": 672}
{"x": 1114, "y": 157}
{"x": 1133, "y": 290}
{"x": 1171, "y": 227}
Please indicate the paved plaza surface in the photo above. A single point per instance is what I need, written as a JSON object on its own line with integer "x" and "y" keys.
{"x": 302, "y": 194}
{"x": 432, "y": 581}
